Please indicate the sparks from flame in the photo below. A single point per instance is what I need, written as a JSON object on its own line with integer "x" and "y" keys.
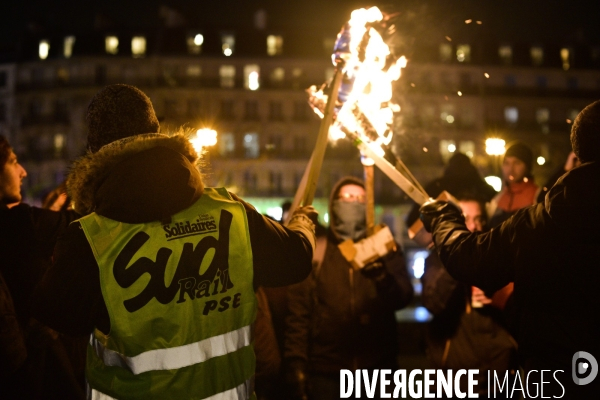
{"x": 369, "y": 99}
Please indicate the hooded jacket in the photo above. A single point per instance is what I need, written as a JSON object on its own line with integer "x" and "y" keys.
{"x": 341, "y": 319}
{"x": 550, "y": 251}
{"x": 140, "y": 179}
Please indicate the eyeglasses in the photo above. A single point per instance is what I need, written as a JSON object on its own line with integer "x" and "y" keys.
{"x": 350, "y": 197}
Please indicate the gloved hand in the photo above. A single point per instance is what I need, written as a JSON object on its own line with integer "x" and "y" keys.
{"x": 374, "y": 270}
{"x": 433, "y": 209}
{"x": 297, "y": 379}
{"x": 309, "y": 211}
{"x": 302, "y": 222}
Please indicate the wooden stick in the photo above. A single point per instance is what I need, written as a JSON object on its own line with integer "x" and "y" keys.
{"x": 403, "y": 182}
{"x": 370, "y": 197}
{"x": 321, "y": 145}
{"x": 299, "y": 191}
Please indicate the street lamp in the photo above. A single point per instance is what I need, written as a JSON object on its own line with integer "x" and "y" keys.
{"x": 205, "y": 137}
{"x": 495, "y": 147}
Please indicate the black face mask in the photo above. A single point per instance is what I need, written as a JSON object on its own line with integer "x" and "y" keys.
{"x": 349, "y": 220}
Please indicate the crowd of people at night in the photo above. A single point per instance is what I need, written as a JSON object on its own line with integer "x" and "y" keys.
{"x": 134, "y": 280}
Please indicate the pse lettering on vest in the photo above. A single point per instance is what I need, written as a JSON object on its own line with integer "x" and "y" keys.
{"x": 187, "y": 279}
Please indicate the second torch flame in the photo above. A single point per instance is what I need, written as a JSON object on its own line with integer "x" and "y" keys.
{"x": 369, "y": 69}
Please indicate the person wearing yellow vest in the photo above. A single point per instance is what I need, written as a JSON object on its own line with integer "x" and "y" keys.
{"x": 161, "y": 271}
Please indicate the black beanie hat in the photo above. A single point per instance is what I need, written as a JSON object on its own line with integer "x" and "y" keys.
{"x": 522, "y": 152}
{"x": 585, "y": 133}
{"x": 116, "y": 112}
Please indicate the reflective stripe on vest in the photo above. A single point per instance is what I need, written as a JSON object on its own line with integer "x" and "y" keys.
{"x": 242, "y": 392}
{"x": 176, "y": 357}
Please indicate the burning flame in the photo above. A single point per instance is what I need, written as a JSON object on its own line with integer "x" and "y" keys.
{"x": 364, "y": 102}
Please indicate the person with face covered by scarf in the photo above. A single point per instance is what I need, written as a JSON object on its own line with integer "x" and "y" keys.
{"x": 342, "y": 317}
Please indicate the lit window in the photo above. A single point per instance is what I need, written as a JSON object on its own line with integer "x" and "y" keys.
{"x": 542, "y": 115}
{"x": 511, "y": 114}
{"x": 447, "y": 148}
{"x": 226, "y": 143}
{"x": 251, "y": 145}
{"x": 467, "y": 147}
{"x": 445, "y": 52}
{"x": 251, "y": 77}
{"x": 194, "y": 43}
{"x": 68, "y": 46}
{"x": 565, "y": 56}
{"x": 44, "y": 49}
{"x": 537, "y": 55}
{"x": 194, "y": 71}
{"x": 277, "y": 75}
{"x": 138, "y": 46}
{"x": 463, "y": 53}
{"x": 274, "y": 45}
{"x": 227, "y": 74}
{"x": 297, "y": 72}
{"x": 111, "y": 44}
{"x": 59, "y": 142}
{"x": 227, "y": 44}
{"x": 505, "y": 53}
{"x": 447, "y": 113}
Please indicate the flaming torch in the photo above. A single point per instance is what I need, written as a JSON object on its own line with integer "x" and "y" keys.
{"x": 364, "y": 103}
{"x": 364, "y": 114}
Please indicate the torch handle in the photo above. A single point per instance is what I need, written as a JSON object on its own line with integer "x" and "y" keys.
{"x": 370, "y": 198}
{"x": 321, "y": 145}
{"x": 403, "y": 183}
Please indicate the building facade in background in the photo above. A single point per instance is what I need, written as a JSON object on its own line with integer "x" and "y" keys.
{"x": 249, "y": 85}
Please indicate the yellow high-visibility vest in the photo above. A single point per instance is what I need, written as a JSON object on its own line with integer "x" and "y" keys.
{"x": 181, "y": 305}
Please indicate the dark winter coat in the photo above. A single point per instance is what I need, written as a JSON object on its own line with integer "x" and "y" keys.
{"x": 146, "y": 178}
{"x": 551, "y": 251}
{"x": 340, "y": 318}
{"x": 27, "y": 238}
{"x": 460, "y": 336}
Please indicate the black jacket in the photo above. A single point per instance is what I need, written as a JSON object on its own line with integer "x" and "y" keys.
{"x": 340, "y": 318}
{"x": 27, "y": 238}
{"x": 460, "y": 336}
{"x": 146, "y": 179}
{"x": 551, "y": 253}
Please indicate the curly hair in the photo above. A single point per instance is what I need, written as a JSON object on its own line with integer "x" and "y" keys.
{"x": 585, "y": 133}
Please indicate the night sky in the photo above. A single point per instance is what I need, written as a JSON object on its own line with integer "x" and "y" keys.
{"x": 533, "y": 20}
